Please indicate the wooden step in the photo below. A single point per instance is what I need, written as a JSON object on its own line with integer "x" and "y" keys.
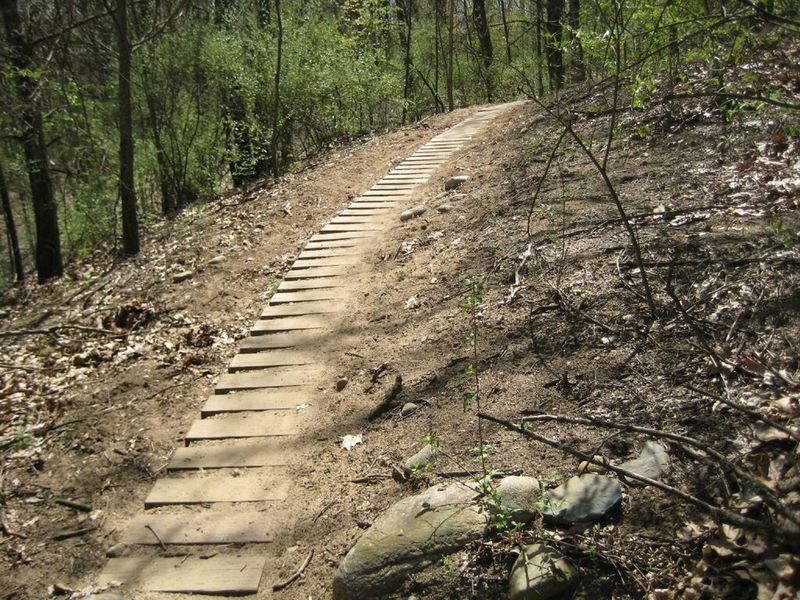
{"x": 329, "y": 252}
{"x": 329, "y": 261}
{"x": 301, "y": 308}
{"x": 256, "y": 424}
{"x": 209, "y": 527}
{"x": 342, "y": 235}
{"x": 357, "y": 210}
{"x": 256, "y": 400}
{"x": 349, "y": 243}
{"x": 386, "y": 193}
{"x": 241, "y": 453}
{"x": 348, "y": 220}
{"x": 289, "y": 324}
{"x": 295, "y": 339}
{"x": 223, "y": 575}
{"x": 292, "y": 285}
{"x": 272, "y": 358}
{"x": 199, "y": 489}
{"x": 307, "y": 296}
{"x": 312, "y": 272}
{"x": 372, "y": 202}
{"x": 266, "y": 378}
{"x": 333, "y": 228}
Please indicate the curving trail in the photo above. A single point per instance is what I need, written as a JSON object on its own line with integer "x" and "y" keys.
{"x": 224, "y": 490}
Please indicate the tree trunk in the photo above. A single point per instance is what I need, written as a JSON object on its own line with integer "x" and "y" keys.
{"x": 407, "y": 8}
{"x": 505, "y": 30}
{"x": 555, "y": 56}
{"x": 127, "y": 190}
{"x": 276, "y": 168}
{"x": 450, "y": 63}
{"x": 578, "y": 68}
{"x": 48, "y": 237}
{"x": 539, "y": 53}
{"x": 485, "y": 41}
{"x": 11, "y": 228}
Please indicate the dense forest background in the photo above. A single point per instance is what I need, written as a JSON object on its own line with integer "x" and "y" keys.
{"x": 119, "y": 112}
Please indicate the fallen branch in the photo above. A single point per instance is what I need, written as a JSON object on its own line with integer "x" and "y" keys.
{"x": 284, "y": 584}
{"x": 784, "y": 535}
{"x": 65, "y": 535}
{"x": 158, "y": 537}
{"x": 472, "y": 472}
{"x": 388, "y": 398}
{"x": 74, "y": 505}
{"x": 56, "y": 328}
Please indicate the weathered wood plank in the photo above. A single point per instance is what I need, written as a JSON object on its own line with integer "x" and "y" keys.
{"x": 357, "y": 210}
{"x": 267, "y": 378}
{"x": 349, "y": 243}
{"x": 199, "y": 489}
{"x": 224, "y": 575}
{"x": 257, "y": 424}
{"x": 342, "y": 235}
{"x": 295, "y": 339}
{"x": 307, "y": 296}
{"x": 289, "y": 324}
{"x": 301, "y": 308}
{"x": 241, "y": 453}
{"x": 348, "y": 220}
{"x": 272, "y": 358}
{"x": 205, "y": 528}
{"x": 291, "y": 285}
{"x": 373, "y": 227}
{"x": 257, "y": 399}
{"x": 386, "y": 193}
{"x": 328, "y": 252}
{"x": 311, "y": 272}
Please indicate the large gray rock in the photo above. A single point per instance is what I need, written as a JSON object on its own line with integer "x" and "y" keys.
{"x": 412, "y": 212}
{"x": 522, "y": 495}
{"x": 455, "y": 182}
{"x": 652, "y": 462}
{"x": 540, "y": 573}
{"x": 582, "y": 498}
{"x": 411, "y": 535}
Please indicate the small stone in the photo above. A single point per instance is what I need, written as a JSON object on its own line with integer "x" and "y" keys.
{"x": 444, "y": 208}
{"x": 523, "y": 495}
{"x": 182, "y": 276}
{"x": 587, "y": 467}
{"x": 341, "y": 384}
{"x": 412, "y": 212}
{"x": 420, "y": 460}
{"x": 456, "y": 197}
{"x": 541, "y": 573}
{"x": 583, "y": 498}
{"x": 408, "y": 409}
{"x": 117, "y": 550}
{"x": 652, "y": 462}
{"x": 455, "y": 182}
{"x": 217, "y": 260}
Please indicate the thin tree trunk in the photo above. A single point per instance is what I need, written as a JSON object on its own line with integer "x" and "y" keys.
{"x": 578, "y": 68}
{"x": 276, "y": 167}
{"x": 48, "y": 237}
{"x": 555, "y": 56}
{"x": 450, "y": 45}
{"x": 127, "y": 190}
{"x": 539, "y": 53}
{"x": 407, "y": 8}
{"x": 505, "y": 30}
{"x": 485, "y": 41}
{"x": 437, "y": 38}
{"x": 11, "y": 228}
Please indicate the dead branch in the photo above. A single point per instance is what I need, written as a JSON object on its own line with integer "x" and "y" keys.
{"x": 284, "y": 584}
{"x": 388, "y": 398}
{"x": 767, "y": 495}
{"x": 73, "y": 505}
{"x": 65, "y": 535}
{"x": 53, "y": 331}
{"x": 158, "y": 537}
{"x": 784, "y": 535}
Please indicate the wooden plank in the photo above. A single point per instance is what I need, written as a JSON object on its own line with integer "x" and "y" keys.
{"x": 295, "y": 339}
{"x": 330, "y": 261}
{"x": 291, "y": 285}
{"x": 326, "y": 252}
{"x": 267, "y": 378}
{"x": 199, "y": 489}
{"x": 370, "y": 204}
{"x": 356, "y": 211}
{"x": 245, "y": 425}
{"x": 307, "y": 296}
{"x": 301, "y": 308}
{"x": 350, "y": 243}
{"x": 308, "y": 273}
{"x": 355, "y": 227}
{"x": 224, "y": 575}
{"x": 348, "y": 220}
{"x": 415, "y": 179}
{"x": 384, "y": 193}
{"x": 204, "y": 528}
{"x": 342, "y": 235}
{"x": 273, "y": 358}
{"x": 255, "y": 400}
{"x": 289, "y": 324}
{"x": 242, "y": 453}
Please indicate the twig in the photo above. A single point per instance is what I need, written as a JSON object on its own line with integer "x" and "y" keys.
{"x": 74, "y": 505}
{"x": 323, "y": 511}
{"x": 284, "y": 584}
{"x": 388, "y": 398}
{"x": 471, "y": 472}
{"x": 65, "y": 535}
{"x": 784, "y": 535}
{"x": 56, "y": 328}
{"x": 371, "y": 478}
{"x": 158, "y": 537}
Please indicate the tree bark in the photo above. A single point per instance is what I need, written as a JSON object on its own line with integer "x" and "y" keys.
{"x": 127, "y": 190}
{"x": 539, "y": 52}
{"x": 506, "y": 34}
{"x": 48, "y": 237}
{"x": 578, "y": 68}
{"x": 450, "y": 45}
{"x": 555, "y": 32}
{"x": 407, "y": 9}
{"x": 276, "y": 170}
{"x": 11, "y": 228}
{"x": 485, "y": 41}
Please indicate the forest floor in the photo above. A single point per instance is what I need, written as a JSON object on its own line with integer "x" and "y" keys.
{"x": 563, "y": 329}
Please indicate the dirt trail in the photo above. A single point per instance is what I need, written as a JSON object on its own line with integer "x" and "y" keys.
{"x": 232, "y": 491}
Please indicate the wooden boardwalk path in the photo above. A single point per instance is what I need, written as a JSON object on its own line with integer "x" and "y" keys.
{"x": 224, "y": 488}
